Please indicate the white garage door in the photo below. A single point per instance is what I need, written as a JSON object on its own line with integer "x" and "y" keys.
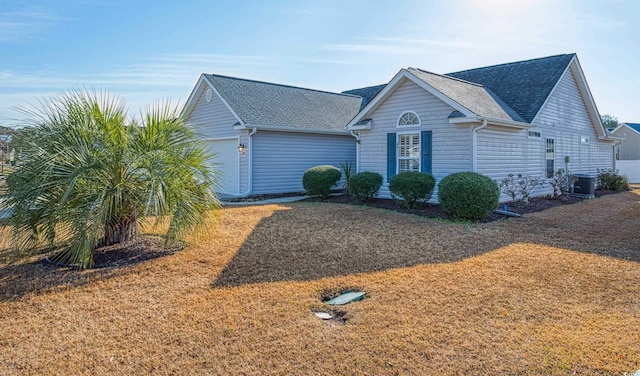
{"x": 226, "y": 162}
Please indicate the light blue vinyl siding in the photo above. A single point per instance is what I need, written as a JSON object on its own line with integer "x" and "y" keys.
{"x": 281, "y": 158}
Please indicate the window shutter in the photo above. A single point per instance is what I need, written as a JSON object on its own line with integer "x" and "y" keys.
{"x": 391, "y": 155}
{"x": 425, "y": 152}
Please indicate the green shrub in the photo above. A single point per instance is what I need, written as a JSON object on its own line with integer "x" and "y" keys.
{"x": 612, "y": 181}
{"x": 319, "y": 180}
{"x": 364, "y": 186}
{"x": 412, "y": 186}
{"x": 468, "y": 195}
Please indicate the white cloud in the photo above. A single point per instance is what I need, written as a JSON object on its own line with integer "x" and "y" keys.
{"x": 24, "y": 25}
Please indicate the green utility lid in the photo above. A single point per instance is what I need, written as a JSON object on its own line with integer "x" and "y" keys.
{"x": 346, "y": 298}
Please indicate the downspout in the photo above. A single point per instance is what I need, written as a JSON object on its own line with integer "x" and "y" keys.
{"x": 249, "y": 164}
{"x": 615, "y": 153}
{"x": 357, "y": 136}
{"x": 474, "y": 145}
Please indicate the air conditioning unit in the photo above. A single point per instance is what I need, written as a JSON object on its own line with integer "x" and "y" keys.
{"x": 584, "y": 186}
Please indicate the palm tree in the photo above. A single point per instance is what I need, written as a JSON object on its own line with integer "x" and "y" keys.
{"x": 89, "y": 177}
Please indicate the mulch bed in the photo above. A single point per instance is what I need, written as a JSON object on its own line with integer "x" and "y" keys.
{"x": 435, "y": 211}
{"x": 129, "y": 253}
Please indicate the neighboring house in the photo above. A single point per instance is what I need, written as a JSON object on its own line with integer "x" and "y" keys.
{"x": 628, "y": 152}
{"x": 530, "y": 117}
{"x": 629, "y": 149}
{"x": 266, "y": 135}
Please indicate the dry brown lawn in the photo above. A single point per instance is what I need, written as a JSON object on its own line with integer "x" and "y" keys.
{"x": 556, "y": 292}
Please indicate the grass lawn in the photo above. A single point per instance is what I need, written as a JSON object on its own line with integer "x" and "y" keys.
{"x": 555, "y": 292}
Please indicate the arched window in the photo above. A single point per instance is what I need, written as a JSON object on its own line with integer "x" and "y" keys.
{"x": 409, "y": 119}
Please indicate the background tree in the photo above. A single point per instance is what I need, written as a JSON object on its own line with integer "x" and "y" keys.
{"x": 609, "y": 121}
{"x": 89, "y": 177}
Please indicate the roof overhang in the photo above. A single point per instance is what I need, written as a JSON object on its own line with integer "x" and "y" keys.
{"x": 360, "y": 126}
{"x": 275, "y": 128}
{"x": 491, "y": 121}
{"x": 393, "y": 84}
{"x": 611, "y": 138}
{"x": 583, "y": 87}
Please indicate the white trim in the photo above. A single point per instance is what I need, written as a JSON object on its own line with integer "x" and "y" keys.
{"x": 197, "y": 92}
{"x": 419, "y": 157}
{"x": 493, "y": 121}
{"x": 583, "y": 88}
{"x": 555, "y": 86}
{"x": 408, "y": 125}
{"x": 292, "y": 129}
{"x": 363, "y": 127}
{"x": 395, "y": 81}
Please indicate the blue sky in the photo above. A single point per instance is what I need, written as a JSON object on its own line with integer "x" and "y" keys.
{"x": 146, "y": 51}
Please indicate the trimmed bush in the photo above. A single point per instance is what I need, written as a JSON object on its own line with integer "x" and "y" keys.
{"x": 612, "y": 181}
{"x": 319, "y": 180}
{"x": 364, "y": 186}
{"x": 411, "y": 187}
{"x": 468, "y": 195}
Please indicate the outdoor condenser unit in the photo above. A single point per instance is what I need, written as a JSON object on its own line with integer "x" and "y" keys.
{"x": 584, "y": 186}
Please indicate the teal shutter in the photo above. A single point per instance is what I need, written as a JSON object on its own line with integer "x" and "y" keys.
{"x": 391, "y": 155}
{"x": 426, "y": 152}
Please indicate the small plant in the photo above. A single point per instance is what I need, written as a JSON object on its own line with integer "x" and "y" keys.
{"x": 364, "y": 186}
{"x": 347, "y": 170}
{"x": 411, "y": 186}
{"x": 319, "y": 180}
{"x": 468, "y": 195}
{"x": 561, "y": 183}
{"x": 612, "y": 181}
{"x": 520, "y": 187}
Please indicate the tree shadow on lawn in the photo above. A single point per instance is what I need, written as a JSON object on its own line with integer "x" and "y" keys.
{"x": 41, "y": 276}
{"x": 315, "y": 240}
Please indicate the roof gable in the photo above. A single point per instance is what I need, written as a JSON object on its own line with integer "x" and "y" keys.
{"x": 472, "y": 96}
{"x": 633, "y": 126}
{"x": 524, "y": 85}
{"x": 267, "y": 104}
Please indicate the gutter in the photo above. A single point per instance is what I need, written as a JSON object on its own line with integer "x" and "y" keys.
{"x": 249, "y": 164}
{"x": 494, "y": 121}
{"x": 357, "y": 137}
{"x": 474, "y": 144}
{"x": 291, "y": 129}
{"x": 616, "y": 142}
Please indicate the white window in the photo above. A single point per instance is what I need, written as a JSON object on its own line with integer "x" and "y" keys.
{"x": 408, "y": 152}
{"x": 409, "y": 119}
{"x": 534, "y": 134}
{"x": 551, "y": 155}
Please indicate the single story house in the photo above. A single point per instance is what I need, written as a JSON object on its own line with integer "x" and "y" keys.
{"x": 629, "y": 150}
{"x": 530, "y": 117}
{"x": 266, "y": 135}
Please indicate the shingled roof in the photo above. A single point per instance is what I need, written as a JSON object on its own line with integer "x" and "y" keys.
{"x": 523, "y": 85}
{"x": 634, "y": 126}
{"x": 268, "y": 104}
{"x": 367, "y": 93}
{"x": 472, "y": 96}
